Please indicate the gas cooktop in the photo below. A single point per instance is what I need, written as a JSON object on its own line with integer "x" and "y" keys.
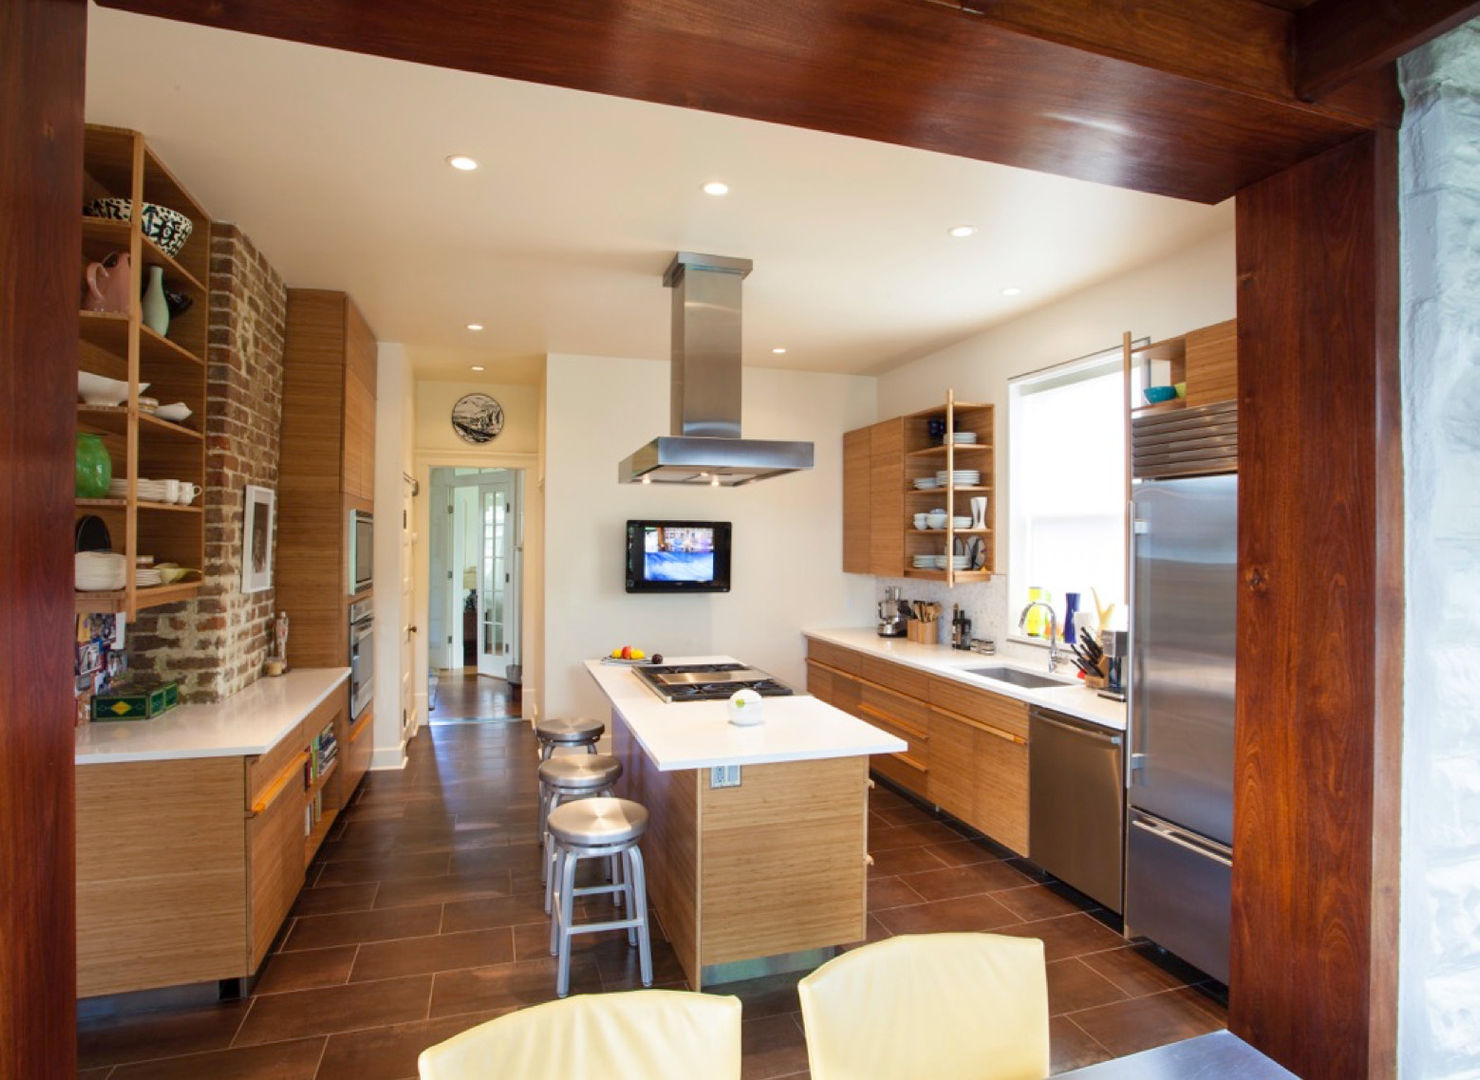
{"x": 707, "y": 682}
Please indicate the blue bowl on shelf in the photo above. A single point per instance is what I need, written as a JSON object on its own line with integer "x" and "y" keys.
{"x": 1155, "y": 395}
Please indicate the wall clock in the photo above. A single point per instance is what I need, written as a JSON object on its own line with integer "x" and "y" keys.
{"x": 477, "y": 418}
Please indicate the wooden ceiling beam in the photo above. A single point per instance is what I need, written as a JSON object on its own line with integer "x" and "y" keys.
{"x": 1127, "y": 92}
{"x": 1338, "y": 41}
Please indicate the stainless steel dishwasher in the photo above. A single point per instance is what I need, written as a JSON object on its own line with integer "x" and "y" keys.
{"x": 1076, "y": 803}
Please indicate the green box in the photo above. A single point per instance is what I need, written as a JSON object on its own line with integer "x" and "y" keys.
{"x": 135, "y": 703}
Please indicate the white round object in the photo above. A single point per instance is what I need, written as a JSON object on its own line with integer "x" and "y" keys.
{"x": 746, "y": 708}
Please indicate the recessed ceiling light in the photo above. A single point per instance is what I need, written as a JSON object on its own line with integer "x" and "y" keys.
{"x": 477, "y": 367}
{"x": 462, "y": 163}
{"x": 962, "y": 231}
{"x": 475, "y": 326}
{"x": 779, "y": 349}
{"x": 716, "y": 187}
{"x": 1011, "y": 290}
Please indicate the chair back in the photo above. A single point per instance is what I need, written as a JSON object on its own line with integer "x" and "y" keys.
{"x": 636, "y": 1035}
{"x": 930, "y": 1007}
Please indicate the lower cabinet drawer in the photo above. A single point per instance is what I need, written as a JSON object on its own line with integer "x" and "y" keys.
{"x": 834, "y": 656}
{"x": 1000, "y": 808}
{"x": 952, "y": 776}
{"x": 356, "y": 755}
{"x": 275, "y": 868}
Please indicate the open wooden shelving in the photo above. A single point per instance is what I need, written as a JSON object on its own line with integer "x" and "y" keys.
{"x": 117, "y": 162}
{"x": 924, "y": 456}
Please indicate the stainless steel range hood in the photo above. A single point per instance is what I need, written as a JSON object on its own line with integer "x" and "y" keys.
{"x": 706, "y": 447}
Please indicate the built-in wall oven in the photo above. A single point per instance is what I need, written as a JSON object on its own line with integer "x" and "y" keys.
{"x": 361, "y": 656}
{"x": 361, "y": 551}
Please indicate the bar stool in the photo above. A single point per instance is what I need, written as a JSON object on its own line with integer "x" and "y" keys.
{"x": 598, "y": 828}
{"x": 558, "y": 731}
{"x": 568, "y": 777}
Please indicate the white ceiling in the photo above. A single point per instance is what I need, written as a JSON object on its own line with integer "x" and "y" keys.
{"x": 334, "y": 164}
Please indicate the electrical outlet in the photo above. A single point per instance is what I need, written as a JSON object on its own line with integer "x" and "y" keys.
{"x": 724, "y": 776}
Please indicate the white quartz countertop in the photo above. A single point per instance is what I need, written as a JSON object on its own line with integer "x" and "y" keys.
{"x": 1072, "y": 699}
{"x": 246, "y": 724}
{"x": 698, "y": 734}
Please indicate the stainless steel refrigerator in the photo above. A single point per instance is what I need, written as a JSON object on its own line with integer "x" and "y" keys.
{"x": 1179, "y": 836}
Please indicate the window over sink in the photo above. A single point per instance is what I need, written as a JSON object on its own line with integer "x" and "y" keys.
{"x": 1067, "y": 482}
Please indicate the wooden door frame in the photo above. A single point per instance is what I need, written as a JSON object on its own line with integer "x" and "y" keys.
{"x": 1331, "y": 141}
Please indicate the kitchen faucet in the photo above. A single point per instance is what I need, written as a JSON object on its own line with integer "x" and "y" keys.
{"x": 1053, "y": 630}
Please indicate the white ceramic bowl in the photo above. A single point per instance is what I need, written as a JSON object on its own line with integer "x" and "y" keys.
{"x": 101, "y": 390}
{"x": 177, "y": 412}
{"x": 937, "y": 521}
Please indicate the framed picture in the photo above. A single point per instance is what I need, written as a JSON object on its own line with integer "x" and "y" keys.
{"x": 257, "y": 522}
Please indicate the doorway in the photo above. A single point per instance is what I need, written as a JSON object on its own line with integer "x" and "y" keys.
{"x": 476, "y": 553}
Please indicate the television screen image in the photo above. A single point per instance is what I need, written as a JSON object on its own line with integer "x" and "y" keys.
{"x": 678, "y": 553}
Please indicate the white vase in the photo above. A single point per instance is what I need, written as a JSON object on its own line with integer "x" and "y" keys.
{"x": 156, "y": 308}
{"x": 979, "y": 512}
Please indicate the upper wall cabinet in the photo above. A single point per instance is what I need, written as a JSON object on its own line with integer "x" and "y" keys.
{"x": 327, "y": 468}
{"x": 896, "y": 472}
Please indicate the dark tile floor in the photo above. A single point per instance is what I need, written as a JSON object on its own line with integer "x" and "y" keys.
{"x": 422, "y": 916}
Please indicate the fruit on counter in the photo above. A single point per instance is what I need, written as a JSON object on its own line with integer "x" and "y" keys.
{"x": 657, "y": 658}
{"x": 617, "y": 654}
{"x": 638, "y": 654}
{"x": 627, "y": 652}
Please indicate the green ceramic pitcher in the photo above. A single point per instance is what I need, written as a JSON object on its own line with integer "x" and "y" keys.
{"x": 94, "y": 467}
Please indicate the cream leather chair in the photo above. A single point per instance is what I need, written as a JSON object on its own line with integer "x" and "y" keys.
{"x": 930, "y": 1007}
{"x": 636, "y": 1035}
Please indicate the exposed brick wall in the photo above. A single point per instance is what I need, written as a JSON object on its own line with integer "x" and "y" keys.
{"x": 214, "y": 645}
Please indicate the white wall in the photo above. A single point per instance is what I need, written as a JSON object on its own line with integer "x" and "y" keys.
{"x": 787, "y": 568}
{"x": 1193, "y": 288}
{"x": 1439, "y": 941}
{"x": 394, "y": 438}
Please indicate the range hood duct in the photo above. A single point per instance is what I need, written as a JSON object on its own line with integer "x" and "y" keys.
{"x": 706, "y": 447}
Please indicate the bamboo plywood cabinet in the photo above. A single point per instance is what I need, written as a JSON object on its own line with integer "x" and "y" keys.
{"x": 161, "y": 878}
{"x": 856, "y": 517}
{"x": 275, "y": 846}
{"x": 118, "y": 345}
{"x": 968, "y": 748}
{"x": 886, "y": 499}
{"x": 327, "y": 467}
{"x": 783, "y": 859}
{"x": 1212, "y": 364}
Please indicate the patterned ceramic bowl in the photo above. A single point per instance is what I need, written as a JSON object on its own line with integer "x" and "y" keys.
{"x": 169, "y": 229}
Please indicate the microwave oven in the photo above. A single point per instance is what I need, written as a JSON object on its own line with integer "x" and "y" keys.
{"x": 361, "y": 551}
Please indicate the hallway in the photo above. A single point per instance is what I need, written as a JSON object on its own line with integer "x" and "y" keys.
{"x": 423, "y": 916}
{"x": 463, "y": 694}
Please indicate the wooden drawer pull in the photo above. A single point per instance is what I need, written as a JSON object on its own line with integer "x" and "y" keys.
{"x": 983, "y": 726}
{"x": 359, "y": 729}
{"x": 270, "y": 794}
{"x": 914, "y": 733}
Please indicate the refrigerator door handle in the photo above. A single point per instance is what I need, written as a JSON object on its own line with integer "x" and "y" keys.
{"x": 1176, "y": 836}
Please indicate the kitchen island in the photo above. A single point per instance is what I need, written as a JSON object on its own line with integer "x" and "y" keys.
{"x": 765, "y": 873}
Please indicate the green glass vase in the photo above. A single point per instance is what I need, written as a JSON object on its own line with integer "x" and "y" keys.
{"x": 94, "y": 467}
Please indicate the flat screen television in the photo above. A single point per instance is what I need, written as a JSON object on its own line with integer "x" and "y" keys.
{"x": 678, "y": 556}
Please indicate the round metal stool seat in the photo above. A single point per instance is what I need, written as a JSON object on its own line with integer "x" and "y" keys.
{"x": 573, "y": 731}
{"x": 599, "y": 822}
{"x": 575, "y": 772}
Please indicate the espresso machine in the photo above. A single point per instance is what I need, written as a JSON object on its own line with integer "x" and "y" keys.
{"x": 893, "y": 618}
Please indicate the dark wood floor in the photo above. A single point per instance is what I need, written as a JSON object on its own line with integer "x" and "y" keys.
{"x": 423, "y": 916}
{"x": 464, "y": 695}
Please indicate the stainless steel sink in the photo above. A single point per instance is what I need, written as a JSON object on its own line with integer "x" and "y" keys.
{"x": 1017, "y": 678}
